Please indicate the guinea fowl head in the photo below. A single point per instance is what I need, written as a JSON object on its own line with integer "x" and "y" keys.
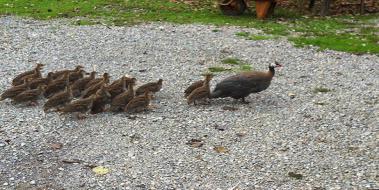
{"x": 78, "y": 68}
{"x": 106, "y": 77}
{"x": 208, "y": 77}
{"x": 272, "y": 67}
{"x": 132, "y": 81}
{"x": 39, "y": 66}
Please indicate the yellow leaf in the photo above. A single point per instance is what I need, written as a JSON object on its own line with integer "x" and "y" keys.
{"x": 220, "y": 149}
{"x": 100, "y": 170}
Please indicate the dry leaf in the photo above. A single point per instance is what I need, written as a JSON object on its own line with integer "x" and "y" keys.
{"x": 241, "y": 134}
{"x": 56, "y": 146}
{"x": 295, "y": 175}
{"x": 220, "y": 149}
{"x": 195, "y": 143}
{"x": 100, "y": 170}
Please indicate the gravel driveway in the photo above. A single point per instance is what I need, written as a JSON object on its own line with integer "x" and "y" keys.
{"x": 312, "y": 141}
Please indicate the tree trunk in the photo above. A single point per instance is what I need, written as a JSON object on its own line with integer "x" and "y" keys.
{"x": 325, "y": 7}
{"x": 311, "y": 4}
{"x": 362, "y": 6}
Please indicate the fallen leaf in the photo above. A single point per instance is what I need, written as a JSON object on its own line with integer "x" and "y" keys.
{"x": 295, "y": 175}
{"x": 195, "y": 143}
{"x": 220, "y": 149}
{"x": 56, "y": 146}
{"x": 100, "y": 170}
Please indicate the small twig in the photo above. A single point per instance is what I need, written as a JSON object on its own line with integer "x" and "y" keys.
{"x": 73, "y": 161}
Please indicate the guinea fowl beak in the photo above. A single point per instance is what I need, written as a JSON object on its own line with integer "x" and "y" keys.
{"x": 278, "y": 64}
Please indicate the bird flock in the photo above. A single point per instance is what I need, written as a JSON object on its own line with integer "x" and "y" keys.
{"x": 72, "y": 91}
{"x": 76, "y": 91}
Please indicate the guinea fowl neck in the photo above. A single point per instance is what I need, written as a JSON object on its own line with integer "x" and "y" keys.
{"x": 130, "y": 87}
{"x": 272, "y": 71}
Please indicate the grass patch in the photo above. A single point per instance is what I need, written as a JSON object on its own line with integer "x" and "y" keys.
{"x": 243, "y": 66}
{"x": 321, "y": 89}
{"x": 355, "y": 34}
{"x": 246, "y": 67}
{"x": 243, "y": 34}
{"x": 347, "y": 43}
{"x": 261, "y": 37}
{"x": 218, "y": 69}
{"x": 232, "y": 61}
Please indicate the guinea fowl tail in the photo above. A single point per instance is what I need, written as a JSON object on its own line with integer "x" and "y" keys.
{"x": 216, "y": 94}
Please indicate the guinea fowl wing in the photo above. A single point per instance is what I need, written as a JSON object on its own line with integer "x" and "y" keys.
{"x": 192, "y": 87}
{"x": 241, "y": 85}
{"x": 235, "y": 86}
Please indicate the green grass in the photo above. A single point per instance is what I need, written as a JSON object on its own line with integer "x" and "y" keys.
{"x": 243, "y": 34}
{"x": 245, "y": 67}
{"x": 321, "y": 89}
{"x": 241, "y": 65}
{"x": 261, "y": 37}
{"x": 355, "y": 34}
{"x": 232, "y": 61}
{"x": 218, "y": 69}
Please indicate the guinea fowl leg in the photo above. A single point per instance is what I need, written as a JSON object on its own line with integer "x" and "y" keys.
{"x": 33, "y": 103}
{"x": 80, "y": 116}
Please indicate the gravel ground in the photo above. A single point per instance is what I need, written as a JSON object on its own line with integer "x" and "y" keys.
{"x": 313, "y": 141}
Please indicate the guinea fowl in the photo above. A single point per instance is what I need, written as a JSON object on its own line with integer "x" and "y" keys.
{"x": 121, "y": 100}
{"x": 59, "y": 74}
{"x": 79, "y": 85}
{"x": 138, "y": 103}
{"x": 119, "y": 86}
{"x": 241, "y": 85}
{"x": 19, "y": 79}
{"x": 95, "y": 87}
{"x": 15, "y": 90}
{"x": 103, "y": 97}
{"x": 79, "y": 106}
{"x": 194, "y": 85}
{"x": 97, "y": 80}
{"x": 29, "y": 95}
{"x": 200, "y": 93}
{"x": 40, "y": 81}
{"x": 74, "y": 76}
{"x": 59, "y": 99}
{"x": 151, "y": 87}
{"x": 57, "y": 85}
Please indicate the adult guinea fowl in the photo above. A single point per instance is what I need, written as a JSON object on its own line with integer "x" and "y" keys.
{"x": 241, "y": 85}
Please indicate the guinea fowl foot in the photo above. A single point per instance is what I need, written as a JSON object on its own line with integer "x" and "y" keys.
{"x": 33, "y": 103}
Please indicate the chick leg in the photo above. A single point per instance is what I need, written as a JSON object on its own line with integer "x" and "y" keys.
{"x": 33, "y": 103}
{"x": 80, "y": 116}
